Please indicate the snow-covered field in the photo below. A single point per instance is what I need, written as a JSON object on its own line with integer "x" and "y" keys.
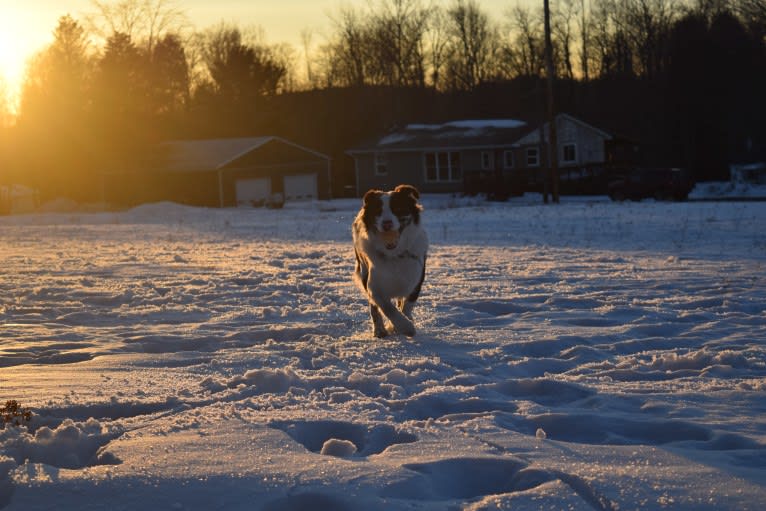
{"x": 591, "y": 355}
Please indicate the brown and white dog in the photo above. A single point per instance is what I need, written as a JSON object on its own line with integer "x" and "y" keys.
{"x": 391, "y": 248}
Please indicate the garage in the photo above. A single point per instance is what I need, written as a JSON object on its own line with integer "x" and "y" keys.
{"x": 253, "y": 192}
{"x": 301, "y": 187}
{"x": 227, "y": 172}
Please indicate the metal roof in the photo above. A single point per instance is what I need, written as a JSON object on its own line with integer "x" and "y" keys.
{"x": 214, "y": 154}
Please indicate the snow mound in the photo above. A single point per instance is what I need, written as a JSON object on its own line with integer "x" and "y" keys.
{"x": 70, "y": 445}
{"x": 338, "y": 448}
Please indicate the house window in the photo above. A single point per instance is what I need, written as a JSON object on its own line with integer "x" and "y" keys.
{"x": 454, "y": 165}
{"x": 508, "y": 159}
{"x": 486, "y": 160}
{"x": 381, "y": 164}
{"x": 443, "y": 167}
{"x": 533, "y": 157}
{"x": 569, "y": 153}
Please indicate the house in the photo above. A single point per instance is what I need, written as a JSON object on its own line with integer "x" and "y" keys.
{"x": 499, "y": 157}
{"x": 436, "y": 158}
{"x": 225, "y": 172}
{"x": 583, "y": 154}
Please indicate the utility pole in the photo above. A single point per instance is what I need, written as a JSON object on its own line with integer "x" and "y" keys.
{"x": 553, "y": 163}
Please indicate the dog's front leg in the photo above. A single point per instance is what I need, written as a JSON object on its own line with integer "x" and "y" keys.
{"x": 401, "y": 323}
{"x": 406, "y": 304}
{"x": 378, "y": 328}
{"x": 406, "y": 307}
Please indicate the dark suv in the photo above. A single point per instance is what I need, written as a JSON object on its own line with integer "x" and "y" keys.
{"x": 657, "y": 183}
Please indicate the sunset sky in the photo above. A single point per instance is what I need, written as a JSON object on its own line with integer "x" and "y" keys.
{"x": 26, "y": 26}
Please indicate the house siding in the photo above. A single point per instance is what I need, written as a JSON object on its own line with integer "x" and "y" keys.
{"x": 407, "y": 165}
{"x": 589, "y": 144}
{"x": 403, "y": 167}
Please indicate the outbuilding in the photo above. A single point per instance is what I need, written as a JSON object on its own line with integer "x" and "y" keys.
{"x": 226, "y": 172}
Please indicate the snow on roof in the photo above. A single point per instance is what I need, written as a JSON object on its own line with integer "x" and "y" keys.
{"x": 394, "y": 138}
{"x": 461, "y": 133}
{"x": 471, "y": 124}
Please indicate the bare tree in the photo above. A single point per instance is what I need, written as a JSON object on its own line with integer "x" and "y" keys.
{"x": 437, "y": 45}
{"x": 563, "y": 16}
{"x": 398, "y": 28}
{"x": 474, "y": 44}
{"x": 602, "y": 29}
{"x": 648, "y": 24}
{"x": 347, "y": 53}
{"x": 584, "y": 41}
{"x": 144, "y": 21}
{"x": 527, "y": 46}
{"x": 307, "y": 37}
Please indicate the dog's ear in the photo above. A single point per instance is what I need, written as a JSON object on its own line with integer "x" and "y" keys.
{"x": 370, "y": 195}
{"x": 408, "y": 189}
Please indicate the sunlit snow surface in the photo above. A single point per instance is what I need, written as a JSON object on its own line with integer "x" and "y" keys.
{"x": 591, "y": 355}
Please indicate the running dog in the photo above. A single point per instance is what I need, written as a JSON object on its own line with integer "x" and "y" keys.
{"x": 391, "y": 248}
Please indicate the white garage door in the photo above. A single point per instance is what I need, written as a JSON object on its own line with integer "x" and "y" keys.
{"x": 253, "y": 192}
{"x": 301, "y": 187}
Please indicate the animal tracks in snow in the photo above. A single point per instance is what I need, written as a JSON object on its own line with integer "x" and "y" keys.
{"x": 461, "y": 478}
{"x": 319, "y": 436}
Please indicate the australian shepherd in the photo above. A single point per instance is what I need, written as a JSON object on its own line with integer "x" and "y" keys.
{"x": 391, "y": 248}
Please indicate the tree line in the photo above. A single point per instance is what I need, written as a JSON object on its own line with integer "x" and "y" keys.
{"x": 684, "y": 79}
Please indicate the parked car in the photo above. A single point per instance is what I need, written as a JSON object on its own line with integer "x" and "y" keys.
{"x": 656, "y": 183}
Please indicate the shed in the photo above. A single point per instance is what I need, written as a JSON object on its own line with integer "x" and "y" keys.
{"x": 224, "y": 172}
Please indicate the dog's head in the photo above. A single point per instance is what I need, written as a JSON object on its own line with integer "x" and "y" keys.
{"x": 387, "y": 214}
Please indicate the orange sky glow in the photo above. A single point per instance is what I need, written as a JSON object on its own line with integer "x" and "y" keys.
{"x": 26, "y": 27}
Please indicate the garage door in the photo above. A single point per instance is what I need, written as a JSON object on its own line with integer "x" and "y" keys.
{"x": 301, "y": 187}
{"x": 253, "y": 192}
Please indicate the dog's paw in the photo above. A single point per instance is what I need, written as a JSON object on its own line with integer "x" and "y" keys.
{"x": 379, "y": 332}
{"x": 405, "y": 328}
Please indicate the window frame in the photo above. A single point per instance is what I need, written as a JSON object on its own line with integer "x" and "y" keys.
{"x": 454, "y": 169}
{"x": 380, "y": 160}
{"x": 564, "y": 148}
{"x": 506, "y": 154}
{"x": 487, "y": 160}
{"x": 529, "y": 152}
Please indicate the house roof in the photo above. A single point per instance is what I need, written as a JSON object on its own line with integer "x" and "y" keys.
{"x": 214, "y": 154}
{"x": 472, "y": 134}
{"x": 454, "y": 135}
{"x": 533, "y": 137}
